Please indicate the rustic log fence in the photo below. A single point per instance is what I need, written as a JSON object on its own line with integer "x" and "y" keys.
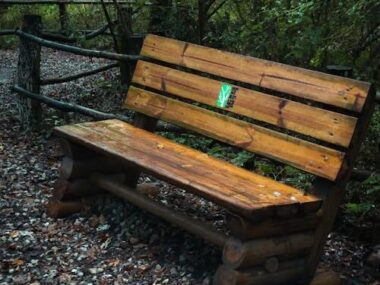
{"x": 29, "y": 82}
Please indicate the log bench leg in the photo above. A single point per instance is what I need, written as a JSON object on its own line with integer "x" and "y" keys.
{"x": 270, "y": 252}
{"x": 73, "y": 185}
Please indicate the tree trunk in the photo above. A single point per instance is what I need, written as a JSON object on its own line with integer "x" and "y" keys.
{"x": 63, "y": 17}
{"x": 202, "y": 19}
{"x": 28, "y": 74}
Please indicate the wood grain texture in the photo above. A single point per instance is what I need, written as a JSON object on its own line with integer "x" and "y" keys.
{"x": 333, "y": 90}
{"x": 238, "y": 254}
{"x": 245, "y": 230}
{"x": 322, "y": 124}
{"x": 237, "y": 189}
{"x": 316, "y": 159}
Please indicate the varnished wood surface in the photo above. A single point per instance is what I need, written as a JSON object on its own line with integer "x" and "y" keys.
{"x": 235, "y": 188}
{"x": 319, "y": 123}
{"x": 329, "y": 89}
{"x": 316, "y": 159}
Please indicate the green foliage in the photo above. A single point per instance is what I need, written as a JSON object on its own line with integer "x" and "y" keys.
{"x": 363, "y": 198}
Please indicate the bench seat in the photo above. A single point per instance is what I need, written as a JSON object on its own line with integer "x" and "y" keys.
{"x": 238, "y": 190}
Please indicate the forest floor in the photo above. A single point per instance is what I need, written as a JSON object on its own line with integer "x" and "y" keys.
{"x": 113, "y": 242}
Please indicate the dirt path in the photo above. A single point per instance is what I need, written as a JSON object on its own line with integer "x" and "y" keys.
{"x": 113, "y": 242}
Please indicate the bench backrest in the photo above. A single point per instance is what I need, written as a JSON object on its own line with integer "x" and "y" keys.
{"x": 310, "y": 117}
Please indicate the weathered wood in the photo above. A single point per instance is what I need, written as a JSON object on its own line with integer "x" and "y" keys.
{"x": 77, "y": 76}
{"x": 319, "y": 123}
{"x": 235, "y": 188}
{"x": 67, "y": 106}
{"x": 71, "y": 169}
{"x": 77, "y": 188}
{"x": 75, "y": 151}
{"x": 333, "y": 192}
{"x": 77, "y": 50}
{"x": 316, "y": 159}
{"x": 71, "y": 107}
{"x": 288, "y": 271}
{"x": 246, "y": 230}
{"x": 237, "y": 254}
{"x": 28, "y": 74}
{"x": 329, "y": 89}
{"x": 129, "y": 194}
{"x": 57, "y": 209}
{"x": 146, "y": 123}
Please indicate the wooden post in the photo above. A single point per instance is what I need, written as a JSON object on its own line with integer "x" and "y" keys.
{"x": 124, "y": 31}
{"x": 63, "y": 16}
{"x": 28, "y": 74}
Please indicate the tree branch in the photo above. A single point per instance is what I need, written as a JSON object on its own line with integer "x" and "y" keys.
{"x": 110, "y": 24}
{"x": 216, "y": 9}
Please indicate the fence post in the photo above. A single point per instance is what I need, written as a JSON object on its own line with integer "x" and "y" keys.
{"x": 124, "y": 32}
{"x": 28, "y": 74}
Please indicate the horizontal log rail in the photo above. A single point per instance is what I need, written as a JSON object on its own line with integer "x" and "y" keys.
{"x": 77, "y": 76}
{"x": 71, "y": 107}
{"x": 68, "y": 107}
{"x": 87, "y": 35}
{"x": 77, "y": 50}
{"x": 197, "y": 228}
{"x": 7, "y": 32}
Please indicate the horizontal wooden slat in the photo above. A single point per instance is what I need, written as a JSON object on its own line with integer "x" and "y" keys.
{"x": 316, "y": 159}
{"x": 329, "y": 126}
{"x": 334, "y": 90}
{"x": 233, "y": 187}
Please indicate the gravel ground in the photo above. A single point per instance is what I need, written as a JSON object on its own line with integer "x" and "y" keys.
{"x": 113, "y": 242}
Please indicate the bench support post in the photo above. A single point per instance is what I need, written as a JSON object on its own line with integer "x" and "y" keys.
{"x": 273, "y": 251}
{"x": 147, "y": 123}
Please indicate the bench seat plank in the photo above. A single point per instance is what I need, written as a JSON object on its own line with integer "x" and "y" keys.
{"x": 314, "y": 158}
{"x": 342, "y": 92}
{"x": 237, "y": 189}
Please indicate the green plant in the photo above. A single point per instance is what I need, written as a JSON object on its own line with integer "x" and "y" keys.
{"x": 363, "y": 198}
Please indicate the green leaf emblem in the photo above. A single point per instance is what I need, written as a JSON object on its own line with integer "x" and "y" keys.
{"x": 224, "y": 94}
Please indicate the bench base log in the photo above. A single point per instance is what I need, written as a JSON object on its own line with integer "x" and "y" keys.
{"x": 266, "y": 251}
{"x": 287, "y": 275}
{"x": 271, "y": 251}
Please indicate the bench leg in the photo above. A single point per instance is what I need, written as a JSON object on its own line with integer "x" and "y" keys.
{"x": 147, "y": 123}
{"x": 270, "y": 252}
{"x": 73, "y": 185}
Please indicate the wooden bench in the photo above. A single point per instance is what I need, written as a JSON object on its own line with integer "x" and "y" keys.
{"x": 306, "y": 119}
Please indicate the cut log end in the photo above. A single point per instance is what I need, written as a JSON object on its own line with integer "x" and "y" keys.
{"x": 233, "y": 252}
